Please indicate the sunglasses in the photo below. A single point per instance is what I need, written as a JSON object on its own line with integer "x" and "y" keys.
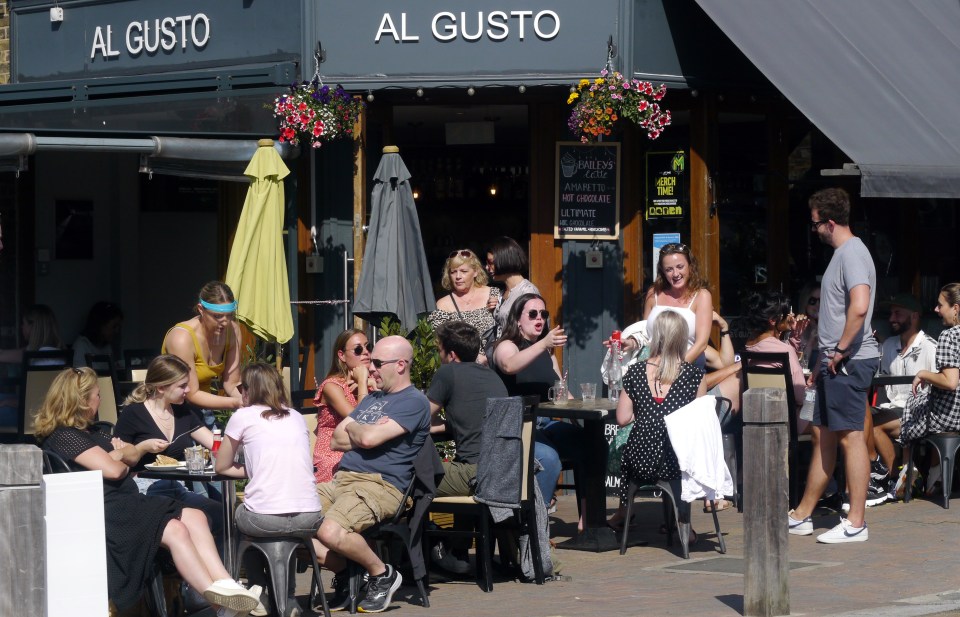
{"x": 461, "y": 253}
{"x": 544, "y": 314}
{"x": 815, "y": 225}
{"x": 358, "y": 350}
{"x": 812, "y": 300}
{"x": 378, "y": 364}
{"x": 674, "y": 247}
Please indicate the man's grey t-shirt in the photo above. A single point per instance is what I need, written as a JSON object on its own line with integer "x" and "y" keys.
{"x": 393, "y": 459}
{"x": 462, "y": 389}
{"x": 850, "y": 266}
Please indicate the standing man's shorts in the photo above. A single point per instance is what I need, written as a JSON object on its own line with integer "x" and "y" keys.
{"x": 357, "y": 501}
{"x": 842, "y": 398}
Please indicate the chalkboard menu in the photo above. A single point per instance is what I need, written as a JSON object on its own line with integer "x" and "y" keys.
{"x": 588, "y": 191}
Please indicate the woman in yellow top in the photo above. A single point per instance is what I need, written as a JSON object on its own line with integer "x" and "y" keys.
{"x": 210, "y": 345}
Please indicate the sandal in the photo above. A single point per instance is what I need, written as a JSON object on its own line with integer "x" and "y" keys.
{"x": 719, "y": 504}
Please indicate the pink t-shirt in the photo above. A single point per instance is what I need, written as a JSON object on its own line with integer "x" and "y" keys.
{"x": 774, "y": 345}
{"x": 276, "y": 453}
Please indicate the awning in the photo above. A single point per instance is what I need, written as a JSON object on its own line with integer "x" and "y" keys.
{"x": 878, "y": 77}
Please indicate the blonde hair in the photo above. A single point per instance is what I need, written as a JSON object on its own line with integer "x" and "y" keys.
{"x": 457, "y": 259}
{"x": 669, "y": 342}
{"x": 66, "y": 402}
{"x": 162, "y": 371}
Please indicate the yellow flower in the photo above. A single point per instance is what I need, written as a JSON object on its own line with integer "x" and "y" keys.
{"x": 584, "y": 83}
{"x": 598, "y": 80}
{"x": 573, "y": 97}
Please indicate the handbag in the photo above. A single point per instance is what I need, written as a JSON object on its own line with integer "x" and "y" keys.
{"x": 615, "y": 453}
{"x": 486, "y": 337}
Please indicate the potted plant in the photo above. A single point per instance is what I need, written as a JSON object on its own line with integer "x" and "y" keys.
{"x": 315, "y": 113}
{"x": 599, "y": 104}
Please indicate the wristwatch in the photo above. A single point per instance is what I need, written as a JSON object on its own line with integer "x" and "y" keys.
{"x": 724, "y": 332}
{"x": 840, "y": 351}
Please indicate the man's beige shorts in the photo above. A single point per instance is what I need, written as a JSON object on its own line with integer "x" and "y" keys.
{"x": 356, "y": 501}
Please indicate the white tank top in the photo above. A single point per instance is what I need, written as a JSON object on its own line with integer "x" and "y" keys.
{"x": 687, "y": 313}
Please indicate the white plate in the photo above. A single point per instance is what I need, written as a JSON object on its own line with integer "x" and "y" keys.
{"x": 156, "y": 467}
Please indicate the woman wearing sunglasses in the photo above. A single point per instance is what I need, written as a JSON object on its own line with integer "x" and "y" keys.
{"x": 523, "y": 357}
{"x": 470, "y": 298}
{"x": 347, "y": 382}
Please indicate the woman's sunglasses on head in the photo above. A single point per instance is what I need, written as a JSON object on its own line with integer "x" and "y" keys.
{"x": 461, "y": 253}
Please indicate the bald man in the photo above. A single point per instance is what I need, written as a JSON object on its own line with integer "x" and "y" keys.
{"x": 380, "y": 440}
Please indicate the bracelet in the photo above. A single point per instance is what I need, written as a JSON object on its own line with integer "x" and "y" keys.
{"x": 840, "y": 350}
{"x": 724, "y": 332}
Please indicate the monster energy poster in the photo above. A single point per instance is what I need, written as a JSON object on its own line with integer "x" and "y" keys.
{"x": 588, "y": 191}
{"x": 667, "y": 196}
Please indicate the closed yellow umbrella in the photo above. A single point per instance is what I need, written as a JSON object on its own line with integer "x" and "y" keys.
{"x": 257, "y": 270}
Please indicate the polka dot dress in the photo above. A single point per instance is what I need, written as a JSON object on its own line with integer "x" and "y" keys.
{"x": 648, "y": 455}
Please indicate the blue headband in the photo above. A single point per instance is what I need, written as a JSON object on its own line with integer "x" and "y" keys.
{"x": 219, "y": 308}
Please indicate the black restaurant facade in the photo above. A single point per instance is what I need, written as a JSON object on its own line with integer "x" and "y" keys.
{"x": 126, "y": 124}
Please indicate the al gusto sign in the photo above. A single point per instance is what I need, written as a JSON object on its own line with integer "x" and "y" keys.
{"x": 152, "y": 35}
{"x": 472, "y": 26}
{"x": 588, "y": 191}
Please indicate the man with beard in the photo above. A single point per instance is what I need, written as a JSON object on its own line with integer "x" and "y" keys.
{"x": 849, "y": 357}
{"x": 907, "y": 350}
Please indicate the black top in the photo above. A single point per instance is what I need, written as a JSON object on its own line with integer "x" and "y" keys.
{"x": 536, "y": 378}
{"x": 462, "y": 389}
{"x": 133, "y": 523}
{"x": 135, "y": 424}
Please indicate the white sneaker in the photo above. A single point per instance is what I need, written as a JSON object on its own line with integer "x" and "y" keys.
{"x": 844, "y": 532}
{"x": 230, "y": 594}
{"x": 799, "y": 528}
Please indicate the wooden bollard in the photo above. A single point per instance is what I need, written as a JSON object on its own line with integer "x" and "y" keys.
{"x": 766, "y": 436}
{"x": 21, "y": 531}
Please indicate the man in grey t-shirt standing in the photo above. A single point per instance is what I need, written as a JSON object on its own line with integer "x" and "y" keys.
{"x": 849, "y": 357}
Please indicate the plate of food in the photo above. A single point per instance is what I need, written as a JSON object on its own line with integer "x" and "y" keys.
{"x": 165, "y": 462}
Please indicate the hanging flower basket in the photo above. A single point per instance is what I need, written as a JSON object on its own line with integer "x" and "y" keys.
{"x": 599, "y": 104}
{"x": 314, "y": 113}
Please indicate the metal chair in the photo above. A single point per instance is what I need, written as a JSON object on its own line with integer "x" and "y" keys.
{"x": 946, "y": 445}
{"x": 480, "y": 513}
{"x": 102, "y": 364}
{"x": 772, "y": 370}
{"x": 279, "y": 551}
{"x": 724, "y": 406}
{"x": 38, "y": 370}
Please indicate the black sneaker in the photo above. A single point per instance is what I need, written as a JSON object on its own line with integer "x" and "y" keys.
{"x": 878, "y": 471}
{"x": 380, "y": 590}
{"x": 446, "y": 560}
{"x": 877, "y": 493}
{"x": 340, "y": 599}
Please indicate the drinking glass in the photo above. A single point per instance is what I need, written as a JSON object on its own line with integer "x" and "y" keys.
{"x": 558, "y": 393}
{"x": 589, "y": 393}
{"x": 195, "y": 460}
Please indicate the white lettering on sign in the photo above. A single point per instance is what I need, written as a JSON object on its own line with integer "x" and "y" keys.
{"x": 495, "y": 25}
{"x": 151, "y": 36}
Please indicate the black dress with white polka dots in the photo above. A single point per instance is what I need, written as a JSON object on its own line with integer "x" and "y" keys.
{"x": 648, "y": 454}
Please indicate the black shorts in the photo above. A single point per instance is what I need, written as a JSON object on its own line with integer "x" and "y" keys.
{"x": 842, "y": 398}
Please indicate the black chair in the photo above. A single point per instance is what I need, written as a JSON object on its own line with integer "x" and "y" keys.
{"x": 138, "y": 359}
{"x": 37, "y": 372}
{"x": 663, "y": 490}
{"x": 480, "y": 513}
{"x": 772, "y": 370}
{"x": 102, "y": 365}
{"x": 731, "y": 451}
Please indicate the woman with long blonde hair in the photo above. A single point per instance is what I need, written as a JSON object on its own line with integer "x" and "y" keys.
{"x": 136, "y": 525}
{"x": 655, "y": 387}
{"x": 157, "y": 409}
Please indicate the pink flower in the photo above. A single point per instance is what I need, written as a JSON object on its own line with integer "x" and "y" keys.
{"x": 642, "y": 106}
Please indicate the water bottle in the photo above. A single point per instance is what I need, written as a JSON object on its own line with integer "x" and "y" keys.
{"x": 616, "y": 361}
{"x": 809, "y": 400}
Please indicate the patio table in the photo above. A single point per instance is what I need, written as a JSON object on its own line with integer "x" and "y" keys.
{"x": 596, "y": 536}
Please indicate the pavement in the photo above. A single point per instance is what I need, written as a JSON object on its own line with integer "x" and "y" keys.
{"x": 909, "y": 566}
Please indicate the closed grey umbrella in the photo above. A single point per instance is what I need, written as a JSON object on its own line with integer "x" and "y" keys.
{"x": 394, "y": 279}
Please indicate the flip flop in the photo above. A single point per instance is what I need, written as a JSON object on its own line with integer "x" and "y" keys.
{"x": 719, "y": 504}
